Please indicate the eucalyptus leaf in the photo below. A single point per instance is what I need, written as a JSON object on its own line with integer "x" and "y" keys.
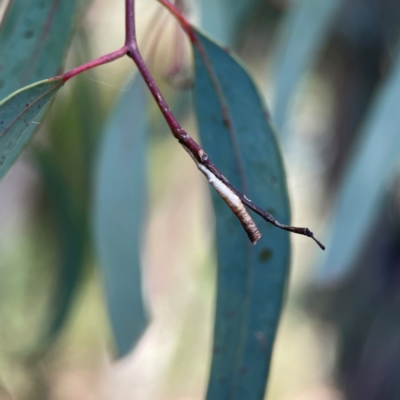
{"x": 374, "y": 161}
{"x": 18, "y": 111}
{"x": 119, "y": 208}
{"x": 34, "y": 37}
{"x": 302, "y": 34}
{"x": 237, "y": 134}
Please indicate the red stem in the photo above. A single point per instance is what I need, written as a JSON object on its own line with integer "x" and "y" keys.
{"x": 134, "y": 54}
{"x": 95, "y": 63}
{"x": 130, "y": 29}
{"x": 174, "y": 125}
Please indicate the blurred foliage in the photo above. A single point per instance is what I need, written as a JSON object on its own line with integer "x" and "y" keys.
{"x": 361, "y": 307}
{"x": 364, "y": 310}
{"x": 356, "y": 60}
{"x": 44, "y": 270}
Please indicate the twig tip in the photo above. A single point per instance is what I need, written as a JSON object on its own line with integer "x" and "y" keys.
{"x": 311, "y": 235}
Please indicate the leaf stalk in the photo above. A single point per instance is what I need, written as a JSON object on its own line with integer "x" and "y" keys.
{"x": 95, "y": 63}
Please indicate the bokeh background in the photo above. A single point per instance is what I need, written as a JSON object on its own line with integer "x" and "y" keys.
{"x": 339, "y": 336}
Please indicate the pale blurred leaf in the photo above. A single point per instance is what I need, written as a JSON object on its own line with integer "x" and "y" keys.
{"x": 119, "y": 208}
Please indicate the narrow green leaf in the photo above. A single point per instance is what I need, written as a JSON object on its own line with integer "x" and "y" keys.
{"x": 18, "y": 111}
{"x": 71, "y": 240}
{"x": 375, "y": 159}
{"x": 34, "y": 37}
{"x": 251, "y": 279}
{"x": 118, "y": 215}
{"x": 303, "y": 33}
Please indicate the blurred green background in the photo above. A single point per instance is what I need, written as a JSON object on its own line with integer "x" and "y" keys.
{"x": 329, "y": 73}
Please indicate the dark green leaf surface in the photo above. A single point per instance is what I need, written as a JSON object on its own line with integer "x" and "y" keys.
{"x": 120, "y": 194}
{"x": 18, "y": 111}
{"x": 302, "y": 34}
{"x": 71, "y": 240}
{"x": 251, "y": 279}
{"x": 375, "y": 159}
{"x": 34, "y": 37}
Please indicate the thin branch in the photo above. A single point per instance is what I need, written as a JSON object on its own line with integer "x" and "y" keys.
{"x": 176, "y": 129}
{"x": 268, "y": 217}
{"x": 130, "y": 28}
{"x": 233, "y": 197}
{"x": 195, "y": 150}
{"x": 95, "y": 63}
{"x": 263, "y": 214}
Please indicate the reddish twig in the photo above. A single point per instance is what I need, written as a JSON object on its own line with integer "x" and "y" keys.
{"x": 193, "y": 148}
{"x": 233, "y": 197}
{"x": 95, "y": 63}
{"x": 130, "y": 28}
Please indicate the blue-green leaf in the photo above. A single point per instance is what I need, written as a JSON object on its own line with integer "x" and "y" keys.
{"x": 374, "y": 161}
{"x": 119, "y": 207}
{"x": 34, "y": 37}
{"x": 303, "y": 33}
{"x": 251, "y": 279}
{"x": 33, "y": 40}
{"x": 18, "y": 111}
